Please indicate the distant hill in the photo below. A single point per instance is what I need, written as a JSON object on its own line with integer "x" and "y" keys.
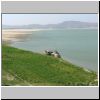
{"x": 63, "y": 25}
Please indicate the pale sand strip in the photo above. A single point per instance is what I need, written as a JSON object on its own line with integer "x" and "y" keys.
{"x": 7, "y": 36}
{"x": 13, "y": 34}
{"x": 24, "y": 30}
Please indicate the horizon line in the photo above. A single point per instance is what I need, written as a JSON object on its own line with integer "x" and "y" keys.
{"x": 52, "y": 23}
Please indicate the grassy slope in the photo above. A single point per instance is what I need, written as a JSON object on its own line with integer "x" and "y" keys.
{"x": 21, "y": 67}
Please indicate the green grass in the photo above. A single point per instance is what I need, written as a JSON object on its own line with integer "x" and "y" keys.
{"x": 25, "y": 68}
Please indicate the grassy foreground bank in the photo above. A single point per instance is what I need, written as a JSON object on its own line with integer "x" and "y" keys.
{"x": 25, "y": 68}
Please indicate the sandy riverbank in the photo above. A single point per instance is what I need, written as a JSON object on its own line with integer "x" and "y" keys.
{"x": 13, "y": 34}
{"x": 21, "y": 30}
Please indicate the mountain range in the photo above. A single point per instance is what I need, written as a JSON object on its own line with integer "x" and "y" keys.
{"x": 62, "y": 25}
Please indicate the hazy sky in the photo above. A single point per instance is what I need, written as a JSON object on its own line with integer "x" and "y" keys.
{"x": 24, "y": 19}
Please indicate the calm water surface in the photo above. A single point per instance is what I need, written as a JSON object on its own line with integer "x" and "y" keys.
{"x": 79, "y": 46}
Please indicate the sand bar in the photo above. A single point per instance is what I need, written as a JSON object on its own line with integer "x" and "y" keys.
{"x": 24, "y": 30}
{"x": 12, "y": 34}
{"x": 21, "y": 30}
{"x": 15, "y": 34}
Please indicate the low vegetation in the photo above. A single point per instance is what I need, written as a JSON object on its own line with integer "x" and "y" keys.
{"x": 25, "y": 68}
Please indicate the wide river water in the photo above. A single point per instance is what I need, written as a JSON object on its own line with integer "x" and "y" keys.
{"x": 79, "y": 46}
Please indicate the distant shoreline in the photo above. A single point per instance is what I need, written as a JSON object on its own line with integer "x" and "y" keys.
{"x": 15, "y": 34}
{"x": 21, "y": 30}
{"x": 39, "y": 29}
